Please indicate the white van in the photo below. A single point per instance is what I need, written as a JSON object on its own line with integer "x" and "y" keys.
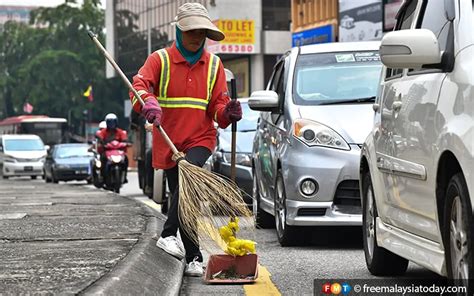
{"x": 22, "y": 155}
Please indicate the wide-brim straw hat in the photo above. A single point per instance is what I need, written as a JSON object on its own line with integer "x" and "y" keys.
{"x": 194, "y": 16}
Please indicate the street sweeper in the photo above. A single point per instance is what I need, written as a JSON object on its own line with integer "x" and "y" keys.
{"x": 184, "y": 91}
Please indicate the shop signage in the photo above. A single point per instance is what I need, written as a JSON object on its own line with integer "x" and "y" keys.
{"x": 322, "y": 34}
{"x": 239, "y": 37}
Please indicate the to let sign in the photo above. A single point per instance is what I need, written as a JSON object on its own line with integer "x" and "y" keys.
{"x": 239, "y": 37}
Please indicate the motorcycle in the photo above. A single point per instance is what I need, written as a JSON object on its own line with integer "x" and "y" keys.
{"x": 96, "y": 166}
{"x": 115, "y": 165}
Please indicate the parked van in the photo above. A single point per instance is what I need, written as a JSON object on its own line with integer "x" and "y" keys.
{"x": 317, "y": 112}
{"x": 22, "y": 155}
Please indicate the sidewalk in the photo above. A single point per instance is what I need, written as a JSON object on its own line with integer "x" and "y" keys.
{"x": 70, "y": 239}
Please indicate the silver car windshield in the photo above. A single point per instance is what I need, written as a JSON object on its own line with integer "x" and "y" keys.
{"x": 331, "y": 78}
{"x": 248, "y": 121}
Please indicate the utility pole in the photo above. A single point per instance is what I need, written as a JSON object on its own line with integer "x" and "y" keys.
{"x": 148, "y": 20}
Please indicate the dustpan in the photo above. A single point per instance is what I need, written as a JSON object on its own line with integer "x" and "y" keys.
{"x": 227, "y": 269}
{"x": 223, "y": 268}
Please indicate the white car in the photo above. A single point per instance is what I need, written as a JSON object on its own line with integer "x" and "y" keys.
{"x": 22, "y": 155}
{"x": 417, "y": 165}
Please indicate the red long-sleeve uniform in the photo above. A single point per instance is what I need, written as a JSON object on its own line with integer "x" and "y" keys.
{"x": 106, "y": 135}
{"x": 186, "y": 127}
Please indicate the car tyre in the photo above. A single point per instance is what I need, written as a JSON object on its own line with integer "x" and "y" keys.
{"x": 33, "y": 177}
{"x": 5, "y": 177}
{"x": 262, "y": 219}
{"x": 46, "y": 179}
{"x": 287, "y": 235}
{"x": 458, "y": 233}
{"x": 380, "y": 261}
{"x": 53, "y": 178}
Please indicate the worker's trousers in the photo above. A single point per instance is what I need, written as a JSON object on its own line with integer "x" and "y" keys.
{"x": 196, "y": 156}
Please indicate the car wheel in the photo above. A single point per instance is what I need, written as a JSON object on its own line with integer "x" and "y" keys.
{"x": 5, "y": 177}
{"x": 262, "y": 218}
{"x": 458, "y": 233}
{"x": 165, "y": 207}
{"x": 286, "y": 234}
{"x": 33, "y": 177}
{"x": 53, "y": 178}
{"x": 46, "y": 179}
{"x": 379, "y": 261}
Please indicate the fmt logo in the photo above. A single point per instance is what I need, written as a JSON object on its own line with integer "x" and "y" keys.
{"x": 336, "y": 288}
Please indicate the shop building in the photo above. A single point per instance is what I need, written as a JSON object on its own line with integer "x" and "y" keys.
{"x": 320, "y": 21}
{"x": 258, "y": 33}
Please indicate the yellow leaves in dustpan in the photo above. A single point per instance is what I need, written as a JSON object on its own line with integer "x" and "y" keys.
{"x": 236, "y": 246}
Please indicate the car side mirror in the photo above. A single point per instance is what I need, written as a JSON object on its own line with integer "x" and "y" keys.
{"x": 264, "y": 100}
{"x": 1, "y": 148}
{"x": 410, "y": 49}
{"x": 47, "y": 147}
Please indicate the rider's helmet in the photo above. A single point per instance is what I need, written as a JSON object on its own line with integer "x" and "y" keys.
{"x": 111, "y": 121}
{"x": 102, "y": 124}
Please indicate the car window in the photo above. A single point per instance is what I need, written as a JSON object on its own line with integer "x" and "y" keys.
{"x": 24, "y": 145}
{"x": 331, "y": 77}
{"x": 72, "y": 151}
{"x": 404, "y": 22}
{"x": 276, "y": 76}
{"x": 248, "y": 121}
{"x": 433, "y": 18}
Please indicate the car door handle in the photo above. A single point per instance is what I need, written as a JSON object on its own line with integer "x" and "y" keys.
{"x": 397, "y": 105}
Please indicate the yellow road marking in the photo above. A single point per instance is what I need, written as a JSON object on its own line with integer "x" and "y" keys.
{"x": 263, "y": 285}
{"x": 151, "y": 204}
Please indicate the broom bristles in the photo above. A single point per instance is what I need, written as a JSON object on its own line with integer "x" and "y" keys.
{"x": 207, "y": 201}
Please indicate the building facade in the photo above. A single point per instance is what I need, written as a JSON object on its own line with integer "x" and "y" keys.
{"x": 257, "y": 33}
{"x": 15, "y": 13}
{"x": 320, "y": 21}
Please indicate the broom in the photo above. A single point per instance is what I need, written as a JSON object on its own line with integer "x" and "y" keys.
{"x": 201, "y": 193}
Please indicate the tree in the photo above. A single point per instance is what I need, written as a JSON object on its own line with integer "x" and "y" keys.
{"x": 51, "y": 62}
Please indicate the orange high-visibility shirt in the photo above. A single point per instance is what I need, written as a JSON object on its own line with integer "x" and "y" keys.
{"x": 189, "y": 107}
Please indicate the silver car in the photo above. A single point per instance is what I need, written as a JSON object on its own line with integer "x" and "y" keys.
{"x": 317, "y": 112}
{"x": 417, "y": 165}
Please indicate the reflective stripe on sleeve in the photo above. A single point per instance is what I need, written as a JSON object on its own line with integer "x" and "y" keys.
{"x": 212, "y": 74}
{"x": 165, "y": 71}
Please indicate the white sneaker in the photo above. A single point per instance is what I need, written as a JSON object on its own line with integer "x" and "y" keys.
{"x": 194, "y": 268}
{"x": 171, "y": 246}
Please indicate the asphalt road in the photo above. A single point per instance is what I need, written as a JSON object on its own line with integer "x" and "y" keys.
{"x": 324, "y": 253}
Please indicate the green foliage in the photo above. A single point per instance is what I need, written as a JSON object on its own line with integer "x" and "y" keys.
{"x": 51, "y": 62}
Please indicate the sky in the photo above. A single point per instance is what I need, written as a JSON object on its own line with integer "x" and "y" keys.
{"x": 37, "y": 2}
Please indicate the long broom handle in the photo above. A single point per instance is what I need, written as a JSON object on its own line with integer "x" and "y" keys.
{"x": 233, "y": 90}
{"x": 127, "y": 82}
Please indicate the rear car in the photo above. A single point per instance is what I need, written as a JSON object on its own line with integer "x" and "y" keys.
{"x": 22, "y": 155}
{"x": 317, "y": 111}
{"x": 67, "y": 162}
{"x": 221, "y": 158}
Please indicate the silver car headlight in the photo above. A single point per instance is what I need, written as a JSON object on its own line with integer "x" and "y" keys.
{"x": 8, "y": 158}
{"x": 313, "y": 133}
{"x": 240, "y": 158}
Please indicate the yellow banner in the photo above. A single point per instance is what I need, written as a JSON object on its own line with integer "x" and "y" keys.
{"x": 237, "y": 31}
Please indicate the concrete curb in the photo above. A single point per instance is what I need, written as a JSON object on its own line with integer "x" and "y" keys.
{"x": 145, "y": 270}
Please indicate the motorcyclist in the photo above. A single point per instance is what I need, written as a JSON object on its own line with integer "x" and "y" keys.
{"x": 107, "y": 135}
